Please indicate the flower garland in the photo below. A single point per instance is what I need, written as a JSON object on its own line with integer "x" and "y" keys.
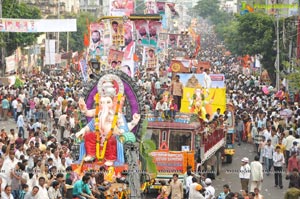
{"x": 97, "y": 131}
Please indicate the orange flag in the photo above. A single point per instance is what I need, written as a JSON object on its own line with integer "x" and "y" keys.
{"x": 86, "y": 37}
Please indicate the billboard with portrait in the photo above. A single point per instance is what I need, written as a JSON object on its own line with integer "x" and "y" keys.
{"x": 121, "y": 7}
{"x": 210, "y": 99}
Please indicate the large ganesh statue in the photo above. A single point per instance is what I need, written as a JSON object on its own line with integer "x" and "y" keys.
{"x": 105, "y": 133}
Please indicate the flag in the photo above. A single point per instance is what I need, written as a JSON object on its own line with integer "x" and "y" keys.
{"x": 86, "y": 37}
{"x": 198, "y": 43}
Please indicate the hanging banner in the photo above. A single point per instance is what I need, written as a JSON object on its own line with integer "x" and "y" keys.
{"x": 151, "y": 60}
{"x": 154, "y": 29}
{"x": 11, "y": 64}
{"x": 100, "y": 39}
{"x": 150, "y": 7}
{"x": 117, "y": 33}
{"x": 161, "y": 8}
{"x": 84, "y": 69}
{"x": 115, "y": 58}
{"x": 49, "y": 52}
{"x": 142, "y": 29}
{"x": 121, "y": 7}
{"x": 38, "y": 25}
{"x": 174, "y": 13}
{"x": 172, "y": 40}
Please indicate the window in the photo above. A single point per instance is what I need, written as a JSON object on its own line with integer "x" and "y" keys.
{"x": 153, "y": 135}
{"x": 178, "y": 139}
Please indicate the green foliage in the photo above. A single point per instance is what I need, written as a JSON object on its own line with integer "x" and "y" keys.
{"x": 206, "y": 8}
{"x": 76, "y": 38}
{"x": 253, "y": 33}
{"x": 146, "y": 147}
{"x": 13, "y": 9}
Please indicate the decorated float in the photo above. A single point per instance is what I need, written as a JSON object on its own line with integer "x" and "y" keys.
{"x": 108, "y": 140}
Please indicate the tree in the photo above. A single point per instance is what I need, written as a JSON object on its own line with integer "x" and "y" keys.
{"x": 76, "y": 38}
{"x": 206, "y": 8}
{"x": 22, "y": 11}
{"x": 146, "y": 147}
{"x": 253, "y": 33}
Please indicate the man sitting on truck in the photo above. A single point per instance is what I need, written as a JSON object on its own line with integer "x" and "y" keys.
{"x": 162, "y": 109}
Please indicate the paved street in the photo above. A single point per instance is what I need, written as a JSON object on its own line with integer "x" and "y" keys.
{"x": 231, "y": 176}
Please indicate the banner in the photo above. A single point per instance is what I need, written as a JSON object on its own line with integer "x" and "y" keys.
{"x": 121, "y": 7}
{"x": 117, "y": 33}
{"x": 49, "y": 52}
{"x": 83, "y": 68}
{"x": 154, "y": 29}
{"x": 161, "y": 7}
{"x": 150, "y": 59}
{"x": 150, "y": 7}
{"x": 173, "y": 41}
{"x": 142, "y": 29}
{"x": 115, "y": 58}
{"x": 174, "y": 13}
{"x": 99, "y": 39}
{"x": 197, "y": 99}
{"x": 38, "y": 25}
{"x": 11, "y": 64}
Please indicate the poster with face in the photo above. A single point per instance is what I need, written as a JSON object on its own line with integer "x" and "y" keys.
{"x": 115, "y": 58}
{"x": 117, "y": 33}
{"x": 96, "y": 45}
{"x": 160, "y": 7}
{"x": 99, "y": 39}
{"x": 173, "y": 11}
{"x": 142, "y": 29}
{"x": 150, "y": 7}
{"x": 151, "y": 60}
{"x": 154, "y": 29}
{"x": 172, "y": 40}
{"x": 129, "y": 42}
{"x": 121, "y": 7}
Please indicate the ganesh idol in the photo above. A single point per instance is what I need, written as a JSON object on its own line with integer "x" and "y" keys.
{"x": 108, "y": 121}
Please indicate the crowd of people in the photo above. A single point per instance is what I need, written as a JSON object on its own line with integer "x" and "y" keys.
{"x": 36, "y": 156}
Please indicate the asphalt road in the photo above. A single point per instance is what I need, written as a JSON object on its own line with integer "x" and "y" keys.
{"x": 230, "y": 177}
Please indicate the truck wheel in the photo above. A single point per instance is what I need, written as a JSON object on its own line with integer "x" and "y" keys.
{"x": 219, "y": 163}
{"x": 229, "y": 159}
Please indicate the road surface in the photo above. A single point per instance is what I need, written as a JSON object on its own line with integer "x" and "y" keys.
{"x": 230, "y": 176}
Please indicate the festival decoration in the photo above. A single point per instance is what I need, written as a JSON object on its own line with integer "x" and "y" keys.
{"x": 245, "y": 8}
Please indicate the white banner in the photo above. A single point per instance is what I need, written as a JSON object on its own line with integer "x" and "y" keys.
{"x": 10, "y": 64}
{"x": 38, "y": 25}
{"x": 49, "y": 51}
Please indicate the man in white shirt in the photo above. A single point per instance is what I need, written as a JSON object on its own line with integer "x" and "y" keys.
{"x": 288, "y": 143}
{"x": 278, "y": 160}
{"x": 268, "y": 155}
{"x": 256, "y": 174}
{"x": 9, "y": 163}
{"x": 43, "y": 193}
{"x": 244, "y": 173}
{"x": 14, "y": 105}
{"x": 209, "y": 190}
